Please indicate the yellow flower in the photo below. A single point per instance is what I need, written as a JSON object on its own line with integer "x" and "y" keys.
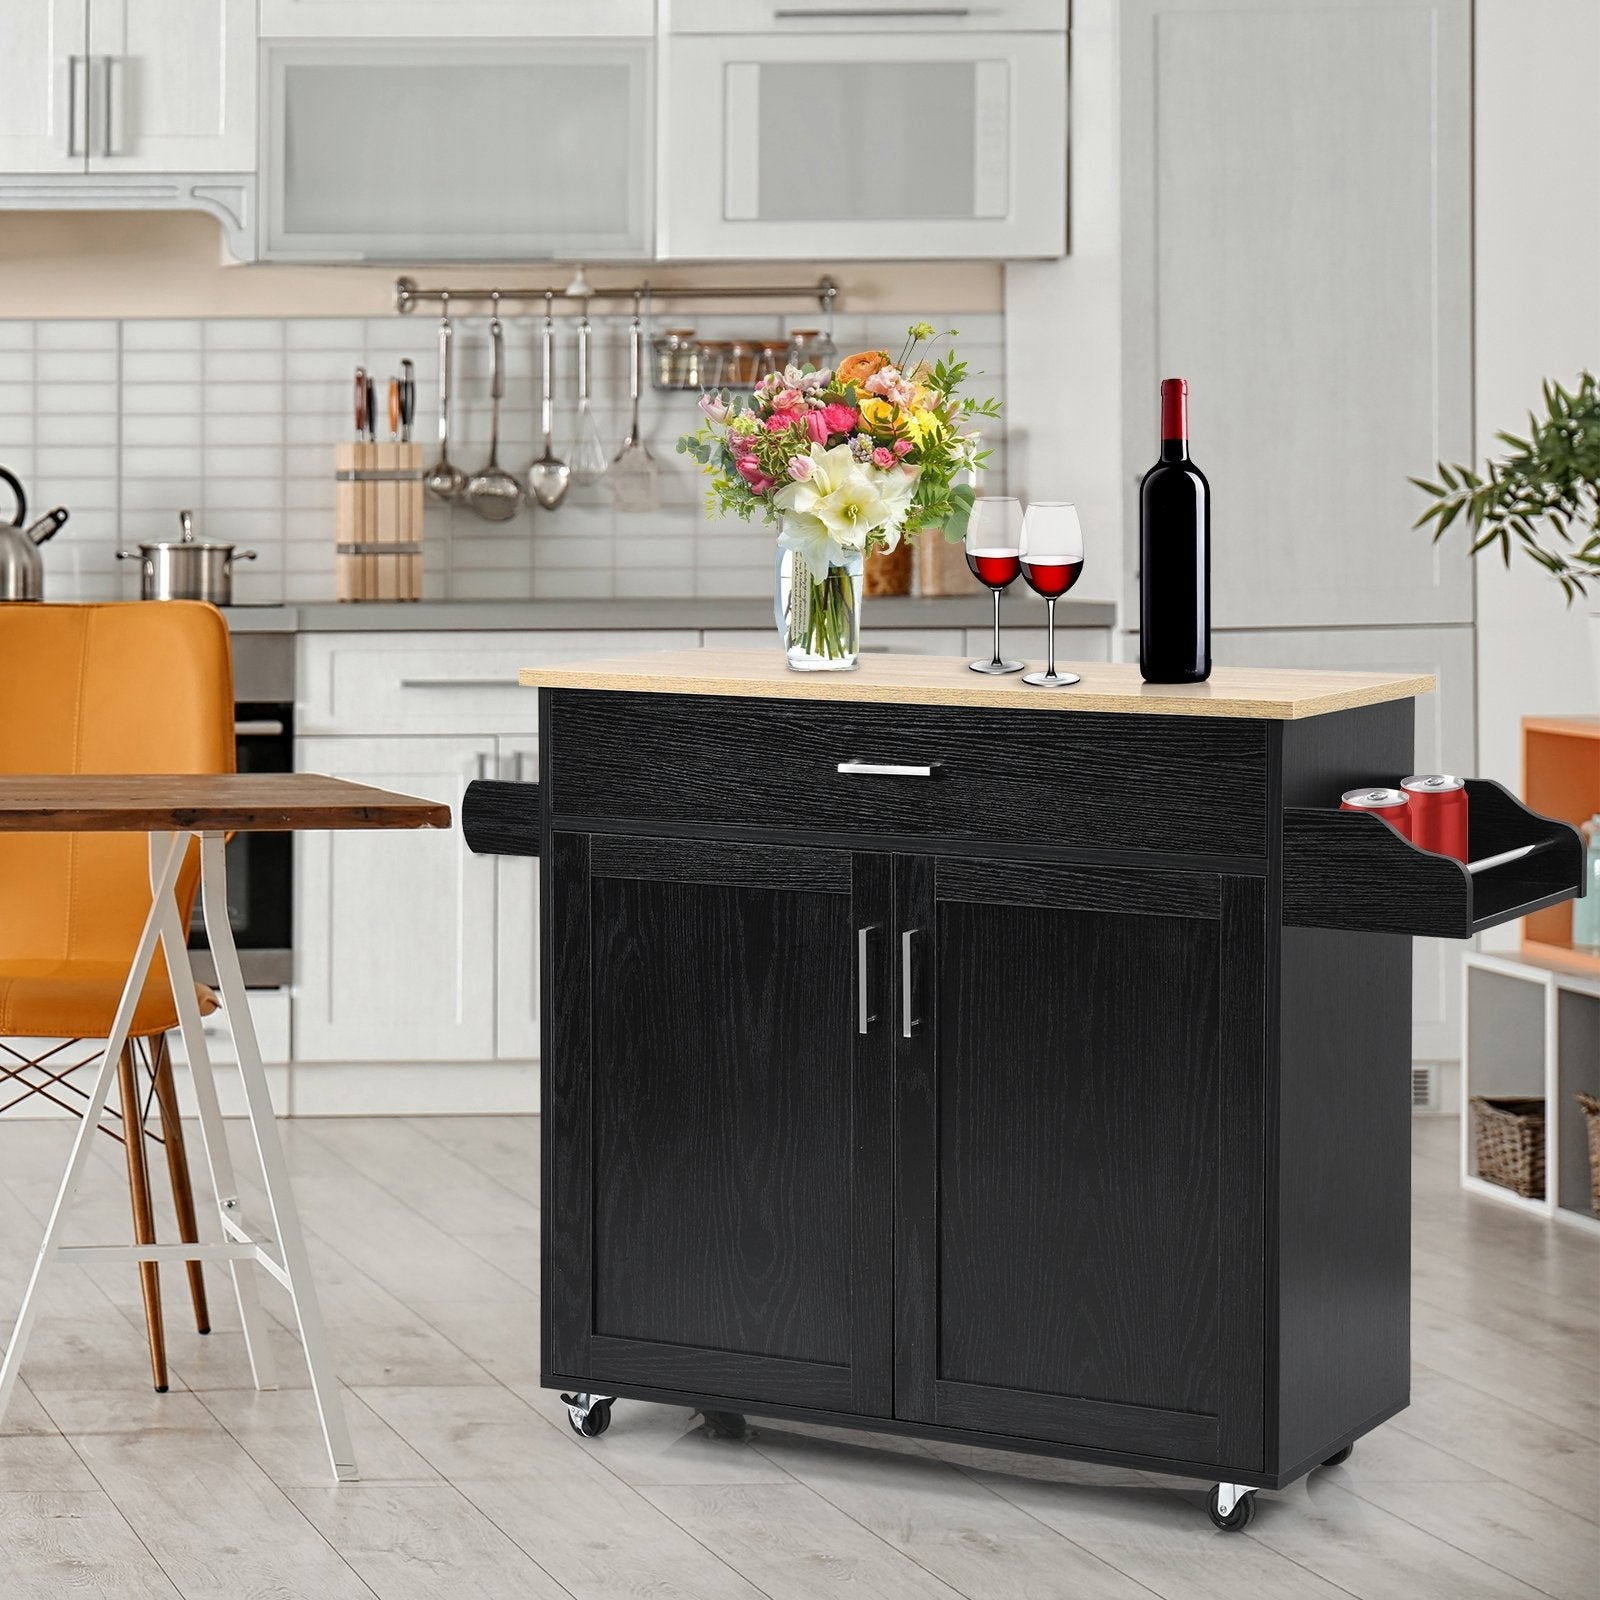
{"x": 924, "y": 423}
{"x": 878, "y": 416}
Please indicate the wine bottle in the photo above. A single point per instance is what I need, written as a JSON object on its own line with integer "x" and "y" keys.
{"x": 1174, "y": 554}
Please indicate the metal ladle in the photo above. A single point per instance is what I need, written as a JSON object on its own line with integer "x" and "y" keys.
{"x": 445, "y": 480}
{"x": 548, "y": 476}
{"x": 493, "y": 492}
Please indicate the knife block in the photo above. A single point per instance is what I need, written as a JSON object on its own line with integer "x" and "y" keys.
{"x": 378, "y": 521}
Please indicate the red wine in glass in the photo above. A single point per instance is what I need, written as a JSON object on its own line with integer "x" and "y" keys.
{"x": 995, "y": 569}
{"x": 1051, "y": 578}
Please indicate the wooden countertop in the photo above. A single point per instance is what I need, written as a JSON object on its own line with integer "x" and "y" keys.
{"x": 232, "y": 802}
{"x": 1257, "y": 692}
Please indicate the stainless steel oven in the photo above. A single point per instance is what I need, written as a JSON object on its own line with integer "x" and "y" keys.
{"x": 260, "y": 865}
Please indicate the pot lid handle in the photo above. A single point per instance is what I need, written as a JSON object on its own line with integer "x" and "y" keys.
{"x": 186, "y": 519}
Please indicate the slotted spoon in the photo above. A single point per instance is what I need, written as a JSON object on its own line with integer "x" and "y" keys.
{"x": 635, "y": 478}
{"x": 548, "y": 476}
{"x": 493, "y": 492}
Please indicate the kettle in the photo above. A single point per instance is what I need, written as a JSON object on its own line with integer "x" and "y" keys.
{"x": 21, "y": 570}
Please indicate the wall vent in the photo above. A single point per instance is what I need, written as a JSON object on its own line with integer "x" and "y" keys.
{"x": 1424, "y": 1089}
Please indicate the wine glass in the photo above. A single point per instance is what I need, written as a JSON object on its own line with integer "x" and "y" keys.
{"x": 1051, "y": 548}
{"x": 993, "y": 530}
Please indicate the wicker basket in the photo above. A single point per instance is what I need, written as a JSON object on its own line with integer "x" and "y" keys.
{"x": 1510, "y": 1135}
{"x": 1591, "y": 1115}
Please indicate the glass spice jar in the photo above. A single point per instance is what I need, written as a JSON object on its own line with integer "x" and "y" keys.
{"x": 713, "y": 358}
{"x": 813, "y": 347}
{"x": 677, "y": 359}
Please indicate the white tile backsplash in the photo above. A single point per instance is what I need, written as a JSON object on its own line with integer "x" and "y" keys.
{"x": 125, "y": 423}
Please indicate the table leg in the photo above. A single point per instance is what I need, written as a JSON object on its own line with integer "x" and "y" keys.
{"x": 163, "y": 878}
{"x": 213, "y": 1136}
{"x": 264, "y": 1126}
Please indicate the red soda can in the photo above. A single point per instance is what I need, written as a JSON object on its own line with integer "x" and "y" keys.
{"x": 1390, "y": 804}
{"x": 1438, "y": 813}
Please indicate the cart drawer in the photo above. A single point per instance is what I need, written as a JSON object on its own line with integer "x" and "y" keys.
{"x": 1167, "y": 784}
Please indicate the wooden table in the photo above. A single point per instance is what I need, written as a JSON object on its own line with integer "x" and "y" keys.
{"x": 172, "y": 810}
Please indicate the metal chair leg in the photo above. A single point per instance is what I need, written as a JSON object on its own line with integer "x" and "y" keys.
{"x": 144, "y": 1220}
{"x": 178, "y": 1171}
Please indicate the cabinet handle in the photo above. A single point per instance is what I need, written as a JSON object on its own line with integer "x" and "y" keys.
{"x": 482, "y": 758}
{"x": 888, "y": 769}
{"x": 865, "y": 1017}
{"x": 108, "y": 67}
{"x": 909, "y": 1021}
{"x": 73, "y": 64}
{"x": 872, "y": 14}
{"x": 458, "y": 683}
{"x": 520, "y": 766}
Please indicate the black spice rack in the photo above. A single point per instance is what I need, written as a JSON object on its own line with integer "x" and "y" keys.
{"x": 1350, "y": 869}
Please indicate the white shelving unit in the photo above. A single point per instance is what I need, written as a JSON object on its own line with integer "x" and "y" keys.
{"x": 1532, "y": 1029}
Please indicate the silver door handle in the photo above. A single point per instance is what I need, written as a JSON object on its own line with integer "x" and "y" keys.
{"x": 483, "y": 759}
{"x": 108, "y": 67}
{"x": 888, "y": 769}
{"x": 865, "y": 1016}
{"x": 909, "y": 1021}
{"x": 73, "y": 64}
{"x": 262, "y": 728}
{"x": 520, "y": 766}
{"x": 458, "y": 683}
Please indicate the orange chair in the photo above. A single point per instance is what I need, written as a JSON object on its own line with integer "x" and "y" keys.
{"x": 141, "y": 687}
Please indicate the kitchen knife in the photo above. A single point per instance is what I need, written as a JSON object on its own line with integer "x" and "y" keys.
{"x": 361, "y": 403}
{"x": 408, "y": 398}
{"x": 372, "y": 410}
{"x": 394, "y": 411}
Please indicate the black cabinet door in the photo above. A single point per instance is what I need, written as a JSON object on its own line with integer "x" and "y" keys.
{"x": 1080, "y": 1157}
{"x": 718, "y": 1086}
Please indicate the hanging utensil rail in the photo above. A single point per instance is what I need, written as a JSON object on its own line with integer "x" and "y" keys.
{"x": 408, "y": 296}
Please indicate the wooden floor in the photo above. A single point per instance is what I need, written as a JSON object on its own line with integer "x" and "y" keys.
{"x": 425, "y": 1237}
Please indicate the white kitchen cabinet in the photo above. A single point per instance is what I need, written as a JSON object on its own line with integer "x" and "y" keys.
{"x": 426, "y": 682}
{"x": 457, "y": 19}
{"x": 172, "y": 86}
{"x": 44, "y": 85}
{"x": 96, "y": 87}
{"x": 516, "y": 1007}
{"x": 790, "y": 132}
{"x": 395, "y": 931}
{"x": 1445, "y": 743}
{"x": 456, "y": 149}
{"x": 1296, "y": 216}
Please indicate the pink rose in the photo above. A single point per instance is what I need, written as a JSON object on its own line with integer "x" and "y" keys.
{"x": 883, "y": 457}
{"x": 749, "y": 469}
{"x": 902, "y": 447}
{"x": 788, "y": 400}
{"x": 839, "y": 417}
{"x": 817, "y": 426}
{"x": 801, "y": 468}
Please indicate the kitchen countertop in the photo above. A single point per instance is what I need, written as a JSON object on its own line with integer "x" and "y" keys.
{"x": 1256, "y": 692}
{"x": 465, "y": 616}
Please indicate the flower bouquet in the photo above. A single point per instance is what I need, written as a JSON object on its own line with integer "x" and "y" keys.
{"x": 843, "y": 462}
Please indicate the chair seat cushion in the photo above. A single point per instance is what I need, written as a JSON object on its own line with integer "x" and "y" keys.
{"x": 78, "y": 999}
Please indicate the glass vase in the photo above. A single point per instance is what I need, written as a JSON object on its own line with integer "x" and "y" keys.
{"x": 819, "y": 623}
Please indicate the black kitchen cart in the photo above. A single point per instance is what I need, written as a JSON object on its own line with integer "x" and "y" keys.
{"x": 987, "y": 1064}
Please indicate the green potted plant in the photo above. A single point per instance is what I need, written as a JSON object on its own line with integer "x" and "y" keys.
{"x": 1542, "y": 496}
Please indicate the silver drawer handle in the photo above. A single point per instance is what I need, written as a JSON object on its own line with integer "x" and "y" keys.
{"x": 458, "y": 683}
{"x": 888, "y": 769}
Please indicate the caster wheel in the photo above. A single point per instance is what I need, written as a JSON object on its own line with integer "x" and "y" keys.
{"x": 1339, "y": 1457}
{"x": 587, "y": 1421}
{"x": 1244, "y": 1509}
{"x": 728, "y": 1425}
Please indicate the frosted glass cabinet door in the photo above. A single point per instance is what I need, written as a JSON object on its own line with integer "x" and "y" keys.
{"x": 912, "y": 146}
{"x": 457, "y": 151}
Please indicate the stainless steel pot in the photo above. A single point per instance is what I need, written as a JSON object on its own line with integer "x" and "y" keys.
{"x": 186, "y": 568}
